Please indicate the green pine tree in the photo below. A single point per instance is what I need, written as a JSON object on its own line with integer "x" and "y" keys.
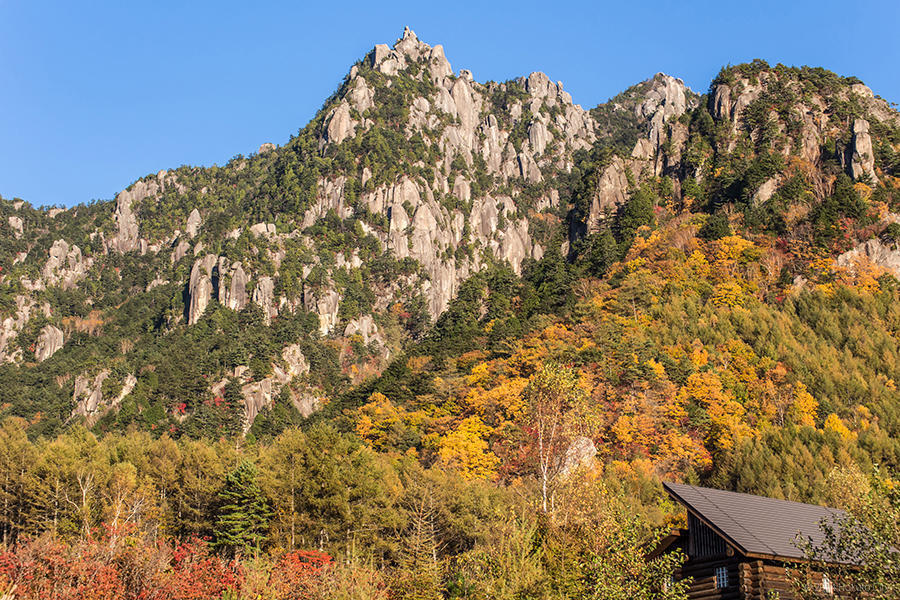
{"x": 244, "y": 512}
{"x": 419, "y": 575}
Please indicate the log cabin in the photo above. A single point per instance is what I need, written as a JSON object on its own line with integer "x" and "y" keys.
{"x": 739, "y": 546}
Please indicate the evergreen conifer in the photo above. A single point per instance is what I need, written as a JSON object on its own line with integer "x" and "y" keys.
{"x": 243, "y": 512}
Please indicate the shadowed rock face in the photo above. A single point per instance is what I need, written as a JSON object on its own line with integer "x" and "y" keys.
{"x": 861, "y": 154}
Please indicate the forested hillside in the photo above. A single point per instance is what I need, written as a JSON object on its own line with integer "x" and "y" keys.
{"x": 446, "y": 341}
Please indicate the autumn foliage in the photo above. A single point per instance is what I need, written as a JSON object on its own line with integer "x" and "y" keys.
{"x": 140, "y": 569}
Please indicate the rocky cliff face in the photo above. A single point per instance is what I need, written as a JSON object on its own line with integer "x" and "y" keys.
{"x": 795, "y": 113}
{"x": 458, "y": 120}
{"x": 88, "y": 395}
{"x": 212, "y": 277}
{"x": 655, "y": 107}
{"x": 517, "y": 136}
{"x": 874, "y": 251}
{"x": 49, "y": 342}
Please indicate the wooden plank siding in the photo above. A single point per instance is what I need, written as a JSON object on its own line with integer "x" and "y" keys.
{"x": 703, "y": 576}
{"x": 761, "y": 581}
{"x": 748, "y": 579}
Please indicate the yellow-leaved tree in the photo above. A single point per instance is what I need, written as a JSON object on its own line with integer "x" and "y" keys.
{"x": 726, "y": 415}
{"x": 465, "y": 449}
{"x": 556, "y": 414}
{"x": 803, "y": 406}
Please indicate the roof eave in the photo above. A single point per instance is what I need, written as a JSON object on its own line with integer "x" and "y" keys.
{"x": 728, "y": 539}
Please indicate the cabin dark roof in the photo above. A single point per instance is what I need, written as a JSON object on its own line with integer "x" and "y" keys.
{"x": 755, "y": 524}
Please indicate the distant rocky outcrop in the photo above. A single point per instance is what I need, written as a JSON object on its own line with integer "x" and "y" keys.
{"x": 127, "y": 238}
{"x": 65, "y": 266}
{"x": 88, "y": 395}
{"x": 580, "y": 453}
{"x": 875, "y": 251}
{"x": 365, "y": 328}
{"x": 325, "y": 303}
{"x": 193, "y": 223}
{"x": 260, "y": 394}
{"x": 50, "y": 340}
{"x": 12, "y": 325}
{"x": 214, "y": 277}
{"x": 17, "y": 225}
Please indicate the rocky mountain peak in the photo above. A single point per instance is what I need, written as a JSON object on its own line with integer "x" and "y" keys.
{"x": 409, "y": 181}
{"x": 408, "y": 49}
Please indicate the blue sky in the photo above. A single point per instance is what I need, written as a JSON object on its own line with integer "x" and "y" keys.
{"x": 96, "y": 94}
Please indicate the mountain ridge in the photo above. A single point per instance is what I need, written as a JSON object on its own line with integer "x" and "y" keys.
{"x": 338, "y": 248}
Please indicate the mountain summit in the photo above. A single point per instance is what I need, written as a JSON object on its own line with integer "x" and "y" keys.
{"x": 200, "y": 297}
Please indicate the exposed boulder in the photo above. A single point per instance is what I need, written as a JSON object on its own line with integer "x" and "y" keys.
{"x": 364, "y": 327}
{"x": 325, "y": 303}
{"x": 875, "y": 251}
{"x": 257, "y": 396}
{"x": 263, "y": 229}
{"x": 766, "y": 190}
{"x": 127, "y": 229}
{"x": 180, "y": 250}
{"x": 612, "y": 191}
{"x": 12, "y": 325}
{"x": 237, "y": 290}
{"x": 200, "y": 287}
{"x": 581, "y": 452}
{"x": 65, "y": 265}
{"x": 528, "y": 169}
{"x": 538, "y": 137}
{"x": 17, "y": 225}
{"x": 296, "y": 364}
{"x": 861, "y": 157}
{"x": 361, "y": 96}
{"x": 192, "y": 227}
{"x": 264, "y": 296}
{"x": 306, "y": 402}
{"x": 157, "y": 281}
